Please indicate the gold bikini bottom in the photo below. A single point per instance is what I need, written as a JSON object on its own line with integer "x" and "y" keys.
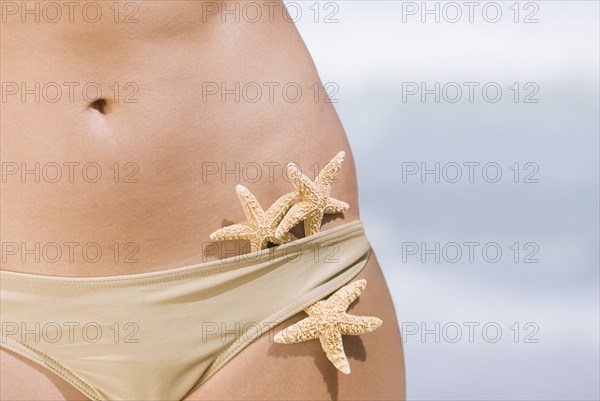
{"x": 160, "y": 335}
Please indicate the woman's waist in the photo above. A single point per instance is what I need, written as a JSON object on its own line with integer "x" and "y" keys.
{"x": 105, "y": 216}
{"x": 36, "y": 263}
{"x": 91, "y": 218}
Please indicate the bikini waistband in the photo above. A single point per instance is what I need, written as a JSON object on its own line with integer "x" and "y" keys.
{"x": 288, "y": 252}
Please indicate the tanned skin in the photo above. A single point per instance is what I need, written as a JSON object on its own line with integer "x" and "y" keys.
{"x": 174, "y": 131}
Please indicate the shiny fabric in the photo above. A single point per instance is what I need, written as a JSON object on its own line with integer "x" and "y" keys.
{"x": 160, "y": 335}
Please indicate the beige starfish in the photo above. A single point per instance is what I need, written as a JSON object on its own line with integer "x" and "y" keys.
{"x": 314, "y": 198}
{"x": 327, "y": 320}
{"x": 260, "y": 227}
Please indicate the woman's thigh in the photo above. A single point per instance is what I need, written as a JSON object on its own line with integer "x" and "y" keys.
{"x": 24, "y": 380}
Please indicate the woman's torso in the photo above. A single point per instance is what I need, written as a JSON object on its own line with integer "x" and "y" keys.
{"x": 123, "y": 139}
{"x": 182, "y": 125}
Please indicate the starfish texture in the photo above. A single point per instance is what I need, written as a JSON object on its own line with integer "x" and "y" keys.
{"x": 327, "y": 320}
{"x": 314, "y": 198}
{"x": 261, "y": 226}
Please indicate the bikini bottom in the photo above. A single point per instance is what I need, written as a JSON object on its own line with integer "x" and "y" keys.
{"x": 161, "y": 335}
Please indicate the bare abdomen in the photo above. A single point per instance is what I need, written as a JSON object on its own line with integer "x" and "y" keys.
{"x": 122, "y": 143}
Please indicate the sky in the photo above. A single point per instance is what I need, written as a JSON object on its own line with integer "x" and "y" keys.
{"x": 476, "y": 138}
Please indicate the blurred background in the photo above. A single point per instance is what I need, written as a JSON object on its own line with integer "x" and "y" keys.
{"x": 475, "y": 128}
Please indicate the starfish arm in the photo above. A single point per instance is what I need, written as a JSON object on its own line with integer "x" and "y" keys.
{"x": 354, "y": 325}
{"x": 296, "y": 214}
{"x": 342, "y": 298}
{"x": 303, "y": 330}
{"x": 252, "y": 209}
{"x": 308, "y": 190}
{"x": 312, "y": 224}
{"x": 336, "y": 206}
{"x": 287, "y": 237}
{"x": 332, "y": 344}
{"x": 276, "y": 212}
{"x": 233, "y": 232}
{"x": 316, "y": 309}
{"x": 257, "y": 243}
{"x": 327, "y": 175}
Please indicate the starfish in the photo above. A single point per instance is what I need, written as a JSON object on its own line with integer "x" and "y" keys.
{"x": 327, "y": 320}
{"x": 314, "y": 198}
{"x": 260, "y": 227}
